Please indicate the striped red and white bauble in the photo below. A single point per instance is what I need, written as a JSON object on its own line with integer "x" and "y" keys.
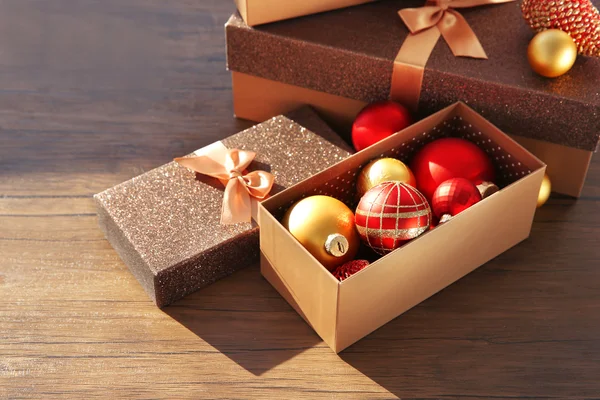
{"x": 390, "y": 214}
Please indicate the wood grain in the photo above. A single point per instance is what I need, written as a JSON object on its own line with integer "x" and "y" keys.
{"x": 95, "y": 92}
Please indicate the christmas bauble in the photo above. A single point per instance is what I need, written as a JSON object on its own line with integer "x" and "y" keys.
{"x": 325, "y": 227}
{"x": 383, "y": 170}
{"x": 552, "y": 53}
{"x": 348, "y": 269}
{"x": 378, "y": 121}
{"x": 579, "y": 18}
{"x": 449, "y": 158}
{"x": 487, "y": 189}
{"x": 545, "y": 191}
{"x": 453, "y": 197}
{"x": 390, "y": 214}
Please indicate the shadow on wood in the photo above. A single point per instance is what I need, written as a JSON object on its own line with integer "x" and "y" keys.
{"x": 475, "y": 338}
{"x": 260, "y": 332}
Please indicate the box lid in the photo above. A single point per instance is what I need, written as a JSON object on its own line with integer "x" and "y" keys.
{"x": 351, "y": 52}
{"x": 167, "y": 218}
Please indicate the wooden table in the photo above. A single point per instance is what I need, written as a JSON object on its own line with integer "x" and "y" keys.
{"x": 93, "y": 93}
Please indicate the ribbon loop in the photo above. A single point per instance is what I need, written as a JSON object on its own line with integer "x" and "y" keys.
{"x": 426, "y": 24}
{"x": 229, "y": 165}
{"x": 460, "y": 37}
{"x": 441, "y": 15}
{"x": 419, "y": 19}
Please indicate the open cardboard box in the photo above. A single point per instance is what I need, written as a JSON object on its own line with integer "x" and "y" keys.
{"x": 344, "y": 312}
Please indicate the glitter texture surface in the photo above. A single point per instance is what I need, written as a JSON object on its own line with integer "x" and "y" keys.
{"x": 165, "y": 223}
{"x": 350, "y": 53}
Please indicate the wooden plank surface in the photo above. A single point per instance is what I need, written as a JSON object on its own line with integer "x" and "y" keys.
{"x": 95, "y": 92}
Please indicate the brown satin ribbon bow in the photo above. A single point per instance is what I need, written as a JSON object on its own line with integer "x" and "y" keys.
{"x": 426, "y": 24}
{"x": 228, "y": 166}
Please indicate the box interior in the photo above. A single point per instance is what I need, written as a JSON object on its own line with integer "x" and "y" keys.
{"x": 510, "y": 160}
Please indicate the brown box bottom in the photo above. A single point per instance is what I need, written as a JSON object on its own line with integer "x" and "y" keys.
{"x": 258, "y": 99}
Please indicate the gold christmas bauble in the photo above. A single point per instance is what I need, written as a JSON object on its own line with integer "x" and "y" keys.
{"x": 544, "y": 191}
{"x": 383, "y": 170}
{"x": 552, "y": 53}
{"x": 325, "y": 227}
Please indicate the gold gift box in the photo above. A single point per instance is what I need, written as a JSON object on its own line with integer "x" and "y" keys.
{"x": 344, "y": 312}
{"x": 257, "y": 12}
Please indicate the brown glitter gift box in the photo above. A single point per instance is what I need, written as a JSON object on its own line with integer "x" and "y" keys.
{"x": 256, "y": 12}
{"x": 344, "y": 312}
{"x": 341, "y": 60}
{"x": 165, "y": 223}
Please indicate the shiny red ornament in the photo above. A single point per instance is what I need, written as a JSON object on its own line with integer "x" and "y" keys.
{"x": 579, "y": 18}
{"x": 378, "y": 121}
{"x": 390, "y": 214}
{"x": 348, "y": 269}
{"x": 453, "y": 197}
{"x": 449, "y": 158}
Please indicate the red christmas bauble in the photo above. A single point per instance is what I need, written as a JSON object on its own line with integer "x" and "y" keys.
{"x": 378, "y": 121}
{"x": 348, "y": 269}
{"x": 390, "y": 214}
{"x": 449, "y": 158}
{"x": 453, "y": 197}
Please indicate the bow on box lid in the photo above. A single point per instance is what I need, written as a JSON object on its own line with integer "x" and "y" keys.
{"x": 426, "y": 24}
{"x": 229, "y": 167}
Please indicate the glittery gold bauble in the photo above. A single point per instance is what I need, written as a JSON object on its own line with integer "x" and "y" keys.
{"x": 544, "y": 191}
{"x": 325, "y": 227}
{"x": 579, "y": 18}
{"x": 383, "y": 170}
{"x": 552, "y": 53}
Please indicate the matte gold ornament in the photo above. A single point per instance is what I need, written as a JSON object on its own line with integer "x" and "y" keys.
{"x": 545, "y": 191}
{"x": 383, "y": 170}
{"x": 325, "y": 227}
{"x": 552, "y": 53}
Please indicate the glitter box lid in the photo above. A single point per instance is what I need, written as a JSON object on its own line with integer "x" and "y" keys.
{"x": 351, "y": 53}
{"x": 168, "y": 217}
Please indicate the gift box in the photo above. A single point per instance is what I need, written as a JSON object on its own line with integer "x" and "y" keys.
{"x": 165, "y": 224}
{"x": 341, "y": 60}
{"x": 256, "y": 12}
{"x": 344, "y": 312}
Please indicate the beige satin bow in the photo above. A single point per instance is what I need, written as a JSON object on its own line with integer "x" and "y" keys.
{"x": 228, "y": 166}
{"x": 426, "y": 24}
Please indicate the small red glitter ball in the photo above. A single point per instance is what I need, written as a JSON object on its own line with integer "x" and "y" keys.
{"x": 378, "y": 121}
{"x": 390, "y": 214}
{"x": 454, "y": 196}
{"x": 348, "y": 269}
